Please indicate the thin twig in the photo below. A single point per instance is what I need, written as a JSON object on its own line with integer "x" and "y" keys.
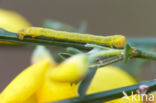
{"x": 108, "y": 63}
{"x": 137, "y": 53}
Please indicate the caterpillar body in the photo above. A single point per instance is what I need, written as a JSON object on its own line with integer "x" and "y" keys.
{"x": 117, "y": 41}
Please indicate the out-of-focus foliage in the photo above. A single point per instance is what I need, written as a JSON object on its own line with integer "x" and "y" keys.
{"x": 53, "y": 24}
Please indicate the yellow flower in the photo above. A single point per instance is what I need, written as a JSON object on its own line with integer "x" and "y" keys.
{"x": 60, "y": 78}
{"x": 44, "y": 82}
{"x": 36, "y": 85}
{"x": 52, "y": 90}
{"x": 71, "y": 70}
{"x": 31, "y": 99}
{"x": 12, "y": 21}
{"x": 59, "y": 82}
{"x": 25, "y": 84}
{"x": 108, "y": 78}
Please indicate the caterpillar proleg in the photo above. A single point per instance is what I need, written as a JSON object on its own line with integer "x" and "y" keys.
{"x": 117, "y": 41}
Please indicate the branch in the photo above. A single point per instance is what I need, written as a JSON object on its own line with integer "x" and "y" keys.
{"x": 111, "y": 94}
{"x": 137, "y": 53}
{"x": 13, "y": 37}
{"x": 131, "y": 52}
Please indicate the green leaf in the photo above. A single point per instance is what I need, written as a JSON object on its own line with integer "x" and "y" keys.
{"x": 64, "y": 55}
{"x": 54, "y": 24}
{"x": 72, "y": 50}
{"x": 83, "y": 27}
{"x": 97, "y": 46}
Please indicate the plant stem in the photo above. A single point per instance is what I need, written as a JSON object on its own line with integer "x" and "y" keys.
{"x": 137, "y": 53}
{"x": 111, "y": 94}
{"x": 108, "y": 53}
{"x": 108, "y": 63}
{"x": 12, "y": 37}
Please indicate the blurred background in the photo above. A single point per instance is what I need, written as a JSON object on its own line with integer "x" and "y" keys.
{"x": 132, "y": 18}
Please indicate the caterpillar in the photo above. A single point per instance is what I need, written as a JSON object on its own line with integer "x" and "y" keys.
{"x": 117, "y": 41}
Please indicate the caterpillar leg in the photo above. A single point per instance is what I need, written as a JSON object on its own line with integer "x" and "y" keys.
{"x": 20, "y": 35}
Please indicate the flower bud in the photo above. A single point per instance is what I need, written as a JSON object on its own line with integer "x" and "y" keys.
{"x": 41, "y": 53}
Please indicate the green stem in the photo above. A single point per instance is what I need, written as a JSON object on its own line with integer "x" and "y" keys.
{"x": 144, "y": 54}
{"x": 108, "y": 53}
{"x": 111, "y": 94}
{"x": 108, "y": 63}
{"x": 12, "y": 37}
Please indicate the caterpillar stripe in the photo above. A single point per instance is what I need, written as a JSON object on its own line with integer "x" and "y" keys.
{"x": 117, "y": 41}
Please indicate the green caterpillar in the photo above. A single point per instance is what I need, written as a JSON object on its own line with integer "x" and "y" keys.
{"x": 117, "y": 41}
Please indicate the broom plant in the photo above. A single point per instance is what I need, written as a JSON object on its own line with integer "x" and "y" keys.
{"x": 82, "y": 61}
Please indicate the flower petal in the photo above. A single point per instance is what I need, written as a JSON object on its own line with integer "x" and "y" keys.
{"x": 25, "y": 84}
{"x": 31, "y": 99}
{"x": 111, "y": 77}
{"x": 52, "y": 90}
{"x": 71, "y": 70}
